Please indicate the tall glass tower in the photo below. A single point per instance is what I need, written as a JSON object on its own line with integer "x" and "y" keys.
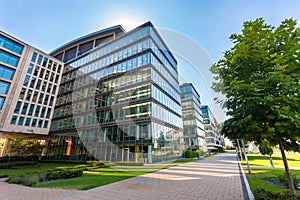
{"x": 119, "y": 98}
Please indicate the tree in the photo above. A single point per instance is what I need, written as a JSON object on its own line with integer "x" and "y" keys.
{"x": 260, "y": 79}
{"x": 266, "y": 149}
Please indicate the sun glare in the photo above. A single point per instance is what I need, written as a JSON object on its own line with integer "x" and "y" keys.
{"x": 127, "y": 23}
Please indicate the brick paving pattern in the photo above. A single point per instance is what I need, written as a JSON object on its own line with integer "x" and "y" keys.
{"x": 216, "y": 177}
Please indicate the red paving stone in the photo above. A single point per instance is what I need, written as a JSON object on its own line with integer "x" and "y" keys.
{"x": 216, "y": 177}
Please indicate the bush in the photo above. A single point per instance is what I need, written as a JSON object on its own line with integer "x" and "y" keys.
{"x": 130, "y": 163}
{"x": 283, "y": 179}
{"x": 52, "y": 175}
{"x": 191, "y": 154}
{"x": 15, "y": 165}
{"x": 261, "y": 194}
{"x": 31, "y": 179}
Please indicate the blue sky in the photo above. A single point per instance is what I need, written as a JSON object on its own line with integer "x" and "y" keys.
{"x": 47, "y": 24}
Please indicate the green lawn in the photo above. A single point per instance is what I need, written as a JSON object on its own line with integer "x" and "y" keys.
{"x": 92, "y": 177}
{"x": 257, "y": 175}
{"x": 259, "y": 160}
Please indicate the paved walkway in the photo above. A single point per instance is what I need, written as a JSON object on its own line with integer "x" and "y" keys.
{"x": 216, "y": 177}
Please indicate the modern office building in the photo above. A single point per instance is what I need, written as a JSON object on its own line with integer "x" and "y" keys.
{"x": 29, "y": 83}
{"x": 193, "y": 127}
{"x": 119, "y": 98}
{"x": 214, "y": 140}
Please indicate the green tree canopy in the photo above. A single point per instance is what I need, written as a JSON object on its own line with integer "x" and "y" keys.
{"x": 260, "y": 78}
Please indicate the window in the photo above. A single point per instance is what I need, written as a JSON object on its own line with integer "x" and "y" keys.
{"x": 29, "y": 94}
{"x": 21, "y": 121}
{"x": 32, "y": 82}
{"x": 4, "y": 86}
{"x": 31, "y": 108}
{"x": 6, "y": 72}
{"x": 30, "y": 68}
{"x": 45, "y": 62}
{"x": 46, "y": 124}
{"x": 33, "y": 58}
{"x": 33, "y": 124}
{"x": 18, "y": 107}
{"x": 8, "y": 58}
{"x": 39, "y": 61}
{"x": 27, "y": 121}
{"x": 48, "y": 113}
{"x": 41, "y": 98}
{"x": 14, "y": 120}
{"x": 40, "y": 123}
{"x": 37, "y": 111}
{"x": 24, "y": 109}
{"x": 43, "y": 112}
{"x": 10, "y": 45}
{"x": 2, "y": 99}
{"x": 26, "y": 80}
{"x": 22, "y": 93}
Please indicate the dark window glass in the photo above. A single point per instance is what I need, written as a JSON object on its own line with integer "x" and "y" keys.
{"x": 24, "y": 109}
{"x": 21, "y": 121}
{"x": 6, "y": 72}
{"x": 8, "y": 58}
{"x": 46, "y": 124}
{"x": 38, "y": 85}
{"x": 14, "y": 120}
{"x": 34, "y": 98}
{"x": 42, "y": 73}
{"x": 33, "y": 124}
{"x": 30, "y": 68}
{"x": 51, "y": 101}
{"x": 41, "y": 98}
{"x": 49, "y": 64}
{"x": 47, "y": 75}
{"x": 4, "y": 86}
{"x": 45, "y": 62}
{"x": 56, "y": 79}
{"x": 29, "y": 94}
{"x": 22, "y": 93}
{"x": 36, "y": 71}
{"x": 31, "y": 108}
{"x": 46, "y": 99}
{"x": 37, "y": 111}
{"x": 33, "y": 58}
{"x": 2, "y": 99}
{"x": 18, "y": 107}
{"x": 32, "y": 82}
{"x": 40, "y": 123}
{"x": 70, "y": 54}
{"x": 10, "y": 45}
{"x": 43, "y": 112}
{"x": 59, "y": 68}
{"x": 40, "y": 58}
{"x": 26, "y": 80}
{"x": 27, "y": 121}
{"x": 48, "y": 113}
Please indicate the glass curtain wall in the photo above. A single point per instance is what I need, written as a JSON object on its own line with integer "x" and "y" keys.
{"x": 120, "y": 102}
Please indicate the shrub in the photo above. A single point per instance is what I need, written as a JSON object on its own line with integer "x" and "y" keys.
{"x": 52, "y": 175}
{"x": 261, "y": 194}
{"x": 191, "y": 154}
{"x": 14, "y": 165}
{"x": 130, "y": 163}
{"x": 283, "y": 179}
{"x": 31, "y": 179}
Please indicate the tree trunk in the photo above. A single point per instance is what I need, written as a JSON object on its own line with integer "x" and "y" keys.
{"x": 271, "y": 162}
{"x": 286, "y": 167}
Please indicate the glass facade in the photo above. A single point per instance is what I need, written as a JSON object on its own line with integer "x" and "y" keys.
{"x": 193, "y": 127}
{"x": 35, "y": 101}
{"x": 10, "y": 45}
{"x": 119, "y": 102}
{"x": 214, "y": 141}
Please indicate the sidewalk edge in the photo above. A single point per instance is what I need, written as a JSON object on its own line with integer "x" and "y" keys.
{"x": 245, "y": 180}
